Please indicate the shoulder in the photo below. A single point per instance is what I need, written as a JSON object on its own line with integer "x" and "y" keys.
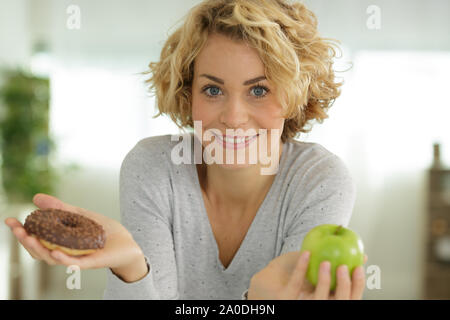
{"x": 312, "y": 159}
{"x": 314, "y": 170}
{"x": 152, "y": 148}
{"x": 150, "y": 154}
{"x": 153, "y": 145}
{"x": 322, "y": 189}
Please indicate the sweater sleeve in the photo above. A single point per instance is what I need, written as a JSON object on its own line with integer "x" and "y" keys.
{"x": 146, "y": 213}
{"x": 324, "y": 194}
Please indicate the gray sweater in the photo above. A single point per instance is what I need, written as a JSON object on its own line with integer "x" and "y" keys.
{"x": 161, "y": 205}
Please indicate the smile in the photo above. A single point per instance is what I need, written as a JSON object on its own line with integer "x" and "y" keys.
{"x": 236, "y": 142}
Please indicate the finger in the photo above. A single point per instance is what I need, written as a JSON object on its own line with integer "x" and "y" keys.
{"x": 343, "y": 283}
{"x": 33, "y": 246}
{"x": 365, "y": 258}
{"x": 323, "y": 285}
{"x": 45, "y": 201}
{"x": 296, "y": 280}
{"x": 42, "y": 252}
{"x": 13, "y": 223}
{"x": 358, "y": 283}
{"x": 83, "y": 262}
{"x": 21, "y": 235}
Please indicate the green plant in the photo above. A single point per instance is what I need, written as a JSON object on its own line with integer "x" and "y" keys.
{"x": 25, "y": 143}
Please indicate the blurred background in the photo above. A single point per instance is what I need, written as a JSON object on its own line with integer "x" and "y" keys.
{"x": 72, "y": 104}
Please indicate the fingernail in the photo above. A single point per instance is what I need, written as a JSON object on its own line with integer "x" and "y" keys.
{"x": 359, "y": 273}
{"x": 326, "y": 266}
{"x": 343, "y": 270}
{"x": 306, "y": 255}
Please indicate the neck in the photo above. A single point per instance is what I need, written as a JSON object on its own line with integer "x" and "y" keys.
{"x": 235, "y": 192}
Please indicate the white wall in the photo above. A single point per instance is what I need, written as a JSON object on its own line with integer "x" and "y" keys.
{"x": 14, "y": 32}
{"x": 14, "y": 50}
{"x": 405, "y": 24}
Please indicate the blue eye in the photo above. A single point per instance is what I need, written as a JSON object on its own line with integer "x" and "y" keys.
{"x": 260, "y": 90}
{"x": 214, "y": 91}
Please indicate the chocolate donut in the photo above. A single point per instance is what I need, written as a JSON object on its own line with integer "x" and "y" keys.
{"x": 70, "y": 232}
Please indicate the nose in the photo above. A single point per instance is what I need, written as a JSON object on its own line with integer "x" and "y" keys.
{"x": 234, "y": 114}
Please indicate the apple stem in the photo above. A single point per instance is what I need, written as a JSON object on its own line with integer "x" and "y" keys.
{"x": 337, "y": 229}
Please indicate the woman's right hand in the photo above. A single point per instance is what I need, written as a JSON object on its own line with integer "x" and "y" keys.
{"x": 121, "y": 253}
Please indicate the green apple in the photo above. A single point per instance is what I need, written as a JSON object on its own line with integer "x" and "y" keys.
{"x": 333, "y": 243}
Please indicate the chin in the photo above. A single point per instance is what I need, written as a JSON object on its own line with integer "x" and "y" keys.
{"x": 235, "y": 166}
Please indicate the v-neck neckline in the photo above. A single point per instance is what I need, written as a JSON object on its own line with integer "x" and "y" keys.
{"x": 204, "y": 213}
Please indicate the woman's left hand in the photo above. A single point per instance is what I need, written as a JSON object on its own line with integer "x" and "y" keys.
{"x": 284, "y": 278}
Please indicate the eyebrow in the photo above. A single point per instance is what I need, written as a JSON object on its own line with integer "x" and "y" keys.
{"x": 251, "y": 81}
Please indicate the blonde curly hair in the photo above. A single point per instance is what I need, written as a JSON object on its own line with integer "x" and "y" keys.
{"x": 285, "y": 35}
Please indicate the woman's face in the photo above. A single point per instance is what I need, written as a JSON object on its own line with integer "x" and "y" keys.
{"x": 229, "y": 91}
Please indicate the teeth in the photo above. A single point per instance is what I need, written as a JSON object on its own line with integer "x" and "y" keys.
{"x": 237, "y": 140}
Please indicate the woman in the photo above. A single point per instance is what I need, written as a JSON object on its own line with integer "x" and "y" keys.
{"x": 254, "y": 70}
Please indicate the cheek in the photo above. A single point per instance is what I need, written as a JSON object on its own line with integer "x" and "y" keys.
{"x": 199, "y": 111}
{"x": 197, "y": 108}
{"x": 202, "y": 111}
{"x": 276, "y": 127}
{"x": 195, "y": 112}
{"x": 271, "y": 118}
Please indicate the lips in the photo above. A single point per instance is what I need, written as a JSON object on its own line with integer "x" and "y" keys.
{"x": 235, "y": 139}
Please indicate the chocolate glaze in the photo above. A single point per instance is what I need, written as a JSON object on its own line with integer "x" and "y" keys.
{"x": 66, "y": 229}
